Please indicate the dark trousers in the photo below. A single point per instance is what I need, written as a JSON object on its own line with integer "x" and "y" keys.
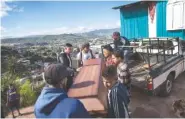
{"x": 14, "y": 104}
{"x": 2, "y": 112}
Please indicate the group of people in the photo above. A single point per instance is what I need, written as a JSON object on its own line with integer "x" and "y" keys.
{"x": 53, "y": 101}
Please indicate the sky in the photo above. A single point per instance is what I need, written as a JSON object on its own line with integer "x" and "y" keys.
{"x": 26, "y": 18}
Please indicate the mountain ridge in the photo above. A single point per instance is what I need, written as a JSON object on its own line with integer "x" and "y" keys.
{"x": 99, "y": 33}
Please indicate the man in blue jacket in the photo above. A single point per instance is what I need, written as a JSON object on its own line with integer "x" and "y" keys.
{"x": 53, "y": 101}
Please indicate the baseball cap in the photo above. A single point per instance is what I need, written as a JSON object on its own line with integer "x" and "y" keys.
{"x": 54, "y": 73}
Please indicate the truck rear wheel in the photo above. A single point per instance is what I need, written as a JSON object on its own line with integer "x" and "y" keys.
{"x": 166, "y": 88}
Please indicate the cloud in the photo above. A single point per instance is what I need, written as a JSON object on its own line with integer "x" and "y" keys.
{"x": 2, "y": 31}
{"x": 1, "y": 28}
{"x": 5, "y": 8}
{"x": 118, "y": 24}
{"x": 20, "y": 32}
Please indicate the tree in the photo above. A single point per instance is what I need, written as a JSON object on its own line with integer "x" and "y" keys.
{"x": 14, "y": 71}
{"x": 35, "y": 58}
{"x": 49, "y": 59}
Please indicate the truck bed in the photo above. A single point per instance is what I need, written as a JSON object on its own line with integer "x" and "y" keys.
{"x": 137, "y": 66}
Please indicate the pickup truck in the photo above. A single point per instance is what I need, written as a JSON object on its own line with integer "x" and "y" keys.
{"x": 155, "y": 63}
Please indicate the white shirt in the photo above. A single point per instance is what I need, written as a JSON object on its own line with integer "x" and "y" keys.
{"x": 85, "y": 56}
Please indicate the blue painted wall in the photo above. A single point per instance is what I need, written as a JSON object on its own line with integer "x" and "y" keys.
{"x": 161, "y": 23}
{"x": 134, "y": 21}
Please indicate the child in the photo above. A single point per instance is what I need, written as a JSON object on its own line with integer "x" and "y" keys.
{"x": 122, "y": 69}
{"x": 117, "y": 97}
{"x": 13, "y": 99}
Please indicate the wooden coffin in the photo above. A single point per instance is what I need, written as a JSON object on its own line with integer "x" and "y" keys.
{"x": 88, "y": 86}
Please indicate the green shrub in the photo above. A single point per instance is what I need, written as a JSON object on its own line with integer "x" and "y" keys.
{"x": 39, "y": 88}
{"x": 27, "y": 96}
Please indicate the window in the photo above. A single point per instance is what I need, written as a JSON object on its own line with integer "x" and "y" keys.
{"x": 169, "y": 17}
{"x": 175, "y": 17}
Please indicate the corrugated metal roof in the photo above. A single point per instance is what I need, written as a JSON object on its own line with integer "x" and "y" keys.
{"x": 127, "y": 3}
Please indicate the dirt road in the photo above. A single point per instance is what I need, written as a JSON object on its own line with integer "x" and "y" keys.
{"x": 162, "y": 105}
{"x": 159, "y": 104}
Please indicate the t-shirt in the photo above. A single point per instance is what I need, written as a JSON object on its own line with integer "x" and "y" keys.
{"x": 85, "y": 56}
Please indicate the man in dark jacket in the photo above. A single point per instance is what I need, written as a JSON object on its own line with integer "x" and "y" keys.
{"x": 65, "y": 57}
{"x": 53, "y": 101}
{"x": 118, "y": 99}
{"x": 121, "y": 41}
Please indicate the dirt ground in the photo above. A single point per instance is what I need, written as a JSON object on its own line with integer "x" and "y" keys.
{"x": 160, "y": 105}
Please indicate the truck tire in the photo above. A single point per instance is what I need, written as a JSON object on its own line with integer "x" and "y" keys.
{"x": 166, "y": 88}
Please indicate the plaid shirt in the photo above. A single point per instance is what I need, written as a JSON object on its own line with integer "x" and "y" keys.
{"x": 123, "y": 73}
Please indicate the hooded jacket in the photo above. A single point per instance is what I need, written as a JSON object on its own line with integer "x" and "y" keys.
{"x": 54, "y": 103}
{"x": 118, "y": 102}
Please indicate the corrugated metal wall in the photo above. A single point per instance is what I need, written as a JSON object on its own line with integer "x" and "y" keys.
{"x": 161, "y": 23}
{"x": 134, "y": 21}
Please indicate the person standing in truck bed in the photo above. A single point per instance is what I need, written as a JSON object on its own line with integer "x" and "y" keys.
{"x": 121, "y": 41}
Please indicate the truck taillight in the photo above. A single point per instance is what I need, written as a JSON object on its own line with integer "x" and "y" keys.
{"x": 150, "y": 85}
{"x": 149, "y": 81}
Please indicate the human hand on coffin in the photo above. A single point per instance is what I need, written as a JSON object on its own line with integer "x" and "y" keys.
{"x": 78, "y": 69}
{"x": 72, "y": 70}
{"x": 86, "y": 57}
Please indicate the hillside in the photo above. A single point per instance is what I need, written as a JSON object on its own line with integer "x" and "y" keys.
{"x": 101, "y": 33}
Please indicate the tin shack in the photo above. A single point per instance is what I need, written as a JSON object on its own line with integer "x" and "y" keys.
{"x": 153, "y": 19}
